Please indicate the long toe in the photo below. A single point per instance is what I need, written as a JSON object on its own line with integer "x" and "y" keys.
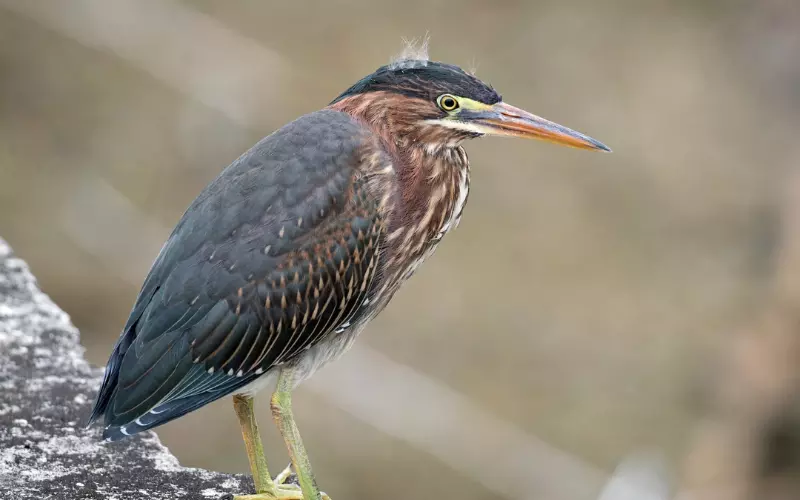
{"x": 287, "y": 476}
{"x": 282, "y": 492}
{"x": 286, "y": 488}
{"x": 287, "y": 479}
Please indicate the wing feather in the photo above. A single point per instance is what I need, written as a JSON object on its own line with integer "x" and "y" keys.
{"x": 269, "y": 260}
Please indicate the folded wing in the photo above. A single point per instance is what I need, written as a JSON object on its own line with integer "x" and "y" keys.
{"x": 276, "y": 254}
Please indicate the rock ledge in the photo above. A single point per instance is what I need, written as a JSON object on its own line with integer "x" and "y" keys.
{"x": 46, "y": 393}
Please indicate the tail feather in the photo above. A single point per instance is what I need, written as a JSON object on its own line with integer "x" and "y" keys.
{"x": 170, "y": 410}
{"x": 111, "y": 376}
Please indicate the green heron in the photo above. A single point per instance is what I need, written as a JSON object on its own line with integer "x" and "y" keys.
{"x": 283, "y": 259}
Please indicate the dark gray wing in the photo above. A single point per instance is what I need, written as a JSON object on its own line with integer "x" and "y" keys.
{"x": 273, "y": 256}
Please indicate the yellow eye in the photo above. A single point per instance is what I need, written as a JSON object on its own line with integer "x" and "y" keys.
{"x": 448, "y": 102}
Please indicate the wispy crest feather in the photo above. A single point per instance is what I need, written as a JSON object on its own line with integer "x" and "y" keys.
{"x": 414, "y": 55}
{"x": 473, "y": 67}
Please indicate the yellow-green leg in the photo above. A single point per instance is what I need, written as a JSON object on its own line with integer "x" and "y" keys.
{"x": 281, "y": 405}
{"x": 266, "y": 488}
{"x": 243, "y": 405}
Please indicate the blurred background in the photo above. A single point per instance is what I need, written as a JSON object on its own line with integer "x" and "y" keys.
{"x": 588, "y": 308}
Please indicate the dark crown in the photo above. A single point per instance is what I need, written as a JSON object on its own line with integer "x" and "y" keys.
{"x": 423, "y": 79}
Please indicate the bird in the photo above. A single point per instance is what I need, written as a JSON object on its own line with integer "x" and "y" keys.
{"x": 282, "y": 259}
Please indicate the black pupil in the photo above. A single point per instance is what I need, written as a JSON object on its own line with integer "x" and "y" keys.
{"x": 449, "y": 103}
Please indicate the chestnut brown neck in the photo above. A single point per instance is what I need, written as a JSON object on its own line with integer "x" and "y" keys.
{"x": 431, "y": 173}
{"x": 423, "y": 155}
{"x": 394, "y": 117}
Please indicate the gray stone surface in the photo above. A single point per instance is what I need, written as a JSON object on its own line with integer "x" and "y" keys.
{"x": 46, "y": 393}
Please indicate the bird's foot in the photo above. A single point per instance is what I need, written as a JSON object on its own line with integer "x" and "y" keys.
{"x": 285, "y": 488}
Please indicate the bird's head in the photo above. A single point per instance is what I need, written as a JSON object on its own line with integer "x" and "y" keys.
{"x": 434, "y": 103}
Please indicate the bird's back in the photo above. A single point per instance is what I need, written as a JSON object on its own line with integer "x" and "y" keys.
{"x": 271, "y": 258}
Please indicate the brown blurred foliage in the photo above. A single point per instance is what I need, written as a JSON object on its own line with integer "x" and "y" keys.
{"x": 586, "y": 300}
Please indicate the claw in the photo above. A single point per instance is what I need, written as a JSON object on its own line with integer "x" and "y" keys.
{"x": 284, "y": 476}
{"x": 285, "y": 489}
{"x": 282, "y": 492}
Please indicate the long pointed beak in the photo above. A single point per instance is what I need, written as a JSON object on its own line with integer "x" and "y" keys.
{"x": 505, "y": 119}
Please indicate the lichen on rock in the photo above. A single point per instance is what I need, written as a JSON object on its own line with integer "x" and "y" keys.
{"x": 46, "y": 392}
